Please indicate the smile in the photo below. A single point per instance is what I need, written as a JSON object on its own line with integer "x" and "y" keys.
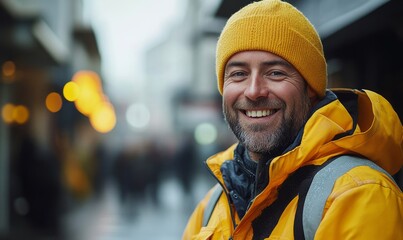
{"x": 260, "y": 113}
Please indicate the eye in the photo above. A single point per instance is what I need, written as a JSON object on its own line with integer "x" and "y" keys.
{"x": 276, "y": 73}
{"x": 237, "y": 75}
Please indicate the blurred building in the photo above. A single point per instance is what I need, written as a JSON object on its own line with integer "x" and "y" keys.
{"x": 180, "y": 70}
{"x": 363, "y": 43}
{"x": 42, "y": 43}
{"x": 181, "y": 87}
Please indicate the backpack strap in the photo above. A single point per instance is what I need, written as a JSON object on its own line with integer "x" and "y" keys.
{"x": 321, "y": 187}
{"x": 318, "y": 192}
{"x": 208, "y": 210}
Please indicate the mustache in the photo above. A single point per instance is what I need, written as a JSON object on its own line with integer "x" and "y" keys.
{"x": 260, "y": 103}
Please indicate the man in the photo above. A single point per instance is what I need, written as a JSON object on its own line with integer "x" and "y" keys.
{"x": 271, "y": 73}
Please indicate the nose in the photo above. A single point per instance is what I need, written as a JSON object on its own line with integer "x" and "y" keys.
{"x": 257, "y": 87}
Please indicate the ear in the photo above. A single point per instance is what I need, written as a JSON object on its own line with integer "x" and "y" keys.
{"x": 311, "y": 92}
{"x": 313, "y": 96}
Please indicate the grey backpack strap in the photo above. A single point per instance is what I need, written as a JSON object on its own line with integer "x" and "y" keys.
{"x": 321, "y": 187}
{"x": 208, "y": 210}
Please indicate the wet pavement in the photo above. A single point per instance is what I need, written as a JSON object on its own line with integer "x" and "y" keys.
{"x": 107, "y": 218}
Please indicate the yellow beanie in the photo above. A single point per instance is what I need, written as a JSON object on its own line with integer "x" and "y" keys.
{"x": 279, "y": 28}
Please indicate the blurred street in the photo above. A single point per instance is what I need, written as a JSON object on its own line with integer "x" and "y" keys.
{"x": 105, "y": 218}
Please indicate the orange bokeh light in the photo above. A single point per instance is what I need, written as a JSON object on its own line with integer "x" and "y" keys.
{"x": 53, "y": 102}
{"x": 90, "y": 91}
{"x": 85, "y": 89}
{"x": 7, "y": 113}
{"x": 103, "y": 118}
{"x": 8, "y": 69}
{"x": 20, "y": 114}
{"x": 71, "y": 91}
{"x": 15, "y": 113}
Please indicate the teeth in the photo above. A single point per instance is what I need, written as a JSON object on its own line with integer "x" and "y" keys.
{"x": 259, "y": 113}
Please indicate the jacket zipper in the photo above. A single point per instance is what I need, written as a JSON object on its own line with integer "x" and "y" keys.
{"x": 226, "y": 194}
{"x": 252, "y": 175}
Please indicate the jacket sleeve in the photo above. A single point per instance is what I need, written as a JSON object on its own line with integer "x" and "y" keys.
{"x": 195, "y": 221}
{"x": 371, "y": 209}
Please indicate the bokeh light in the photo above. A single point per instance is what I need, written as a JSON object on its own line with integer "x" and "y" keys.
{"x": 15, "y": 113}
{"x": 8, "y": 70}
{"x": 103, "y": 118}
{"x": 90, "y": 91}
{"x": 7, "y": 112}
{"x": 53, "y": 102}
{"x": 138, "y": 115}
{"x": 205, "y": 133}
{"x": 20, "y": 114}
{"x": 71, "y": 91}
{"x": 85, "y": 90}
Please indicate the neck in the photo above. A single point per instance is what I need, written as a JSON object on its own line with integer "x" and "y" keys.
{"x": 254, "y": 156}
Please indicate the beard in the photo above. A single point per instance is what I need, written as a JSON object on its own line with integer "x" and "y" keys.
{"x": 257, "y": 138}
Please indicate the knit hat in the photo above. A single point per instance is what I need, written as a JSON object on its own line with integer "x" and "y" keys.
{"x": 279, "y": 28}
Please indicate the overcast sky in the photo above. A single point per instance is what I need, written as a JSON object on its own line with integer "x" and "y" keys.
{"x": 124, "y": 28}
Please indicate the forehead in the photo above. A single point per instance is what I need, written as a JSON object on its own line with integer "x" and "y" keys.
{"x": 255, "y": 56}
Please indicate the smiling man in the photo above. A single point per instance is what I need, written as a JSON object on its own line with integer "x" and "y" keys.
{"x": 266, "y": 101}
{"x": 311, "y": 163}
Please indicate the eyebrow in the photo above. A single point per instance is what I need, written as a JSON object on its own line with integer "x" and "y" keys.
{"x": 236, "y": 64}
{"x": 276, "y": 62}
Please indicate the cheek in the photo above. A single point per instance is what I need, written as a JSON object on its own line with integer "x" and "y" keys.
{"x": 231, "y": 94}
{"x": 291, "y": 90}
{"x": 299, "y": 106}
{"x": 293, "y": 98}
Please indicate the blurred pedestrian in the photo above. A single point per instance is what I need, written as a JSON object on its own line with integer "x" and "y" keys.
{"x": 38, "y": 170}
{"x": 185, "y": 161}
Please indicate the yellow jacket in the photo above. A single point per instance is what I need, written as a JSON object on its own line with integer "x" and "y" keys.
{"x": 364, "y": 203}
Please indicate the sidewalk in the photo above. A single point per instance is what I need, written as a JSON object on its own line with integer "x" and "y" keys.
{"x": 106, "y": 219}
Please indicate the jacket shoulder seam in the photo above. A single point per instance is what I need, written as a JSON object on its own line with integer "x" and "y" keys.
{"x": 356, "y": 182}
